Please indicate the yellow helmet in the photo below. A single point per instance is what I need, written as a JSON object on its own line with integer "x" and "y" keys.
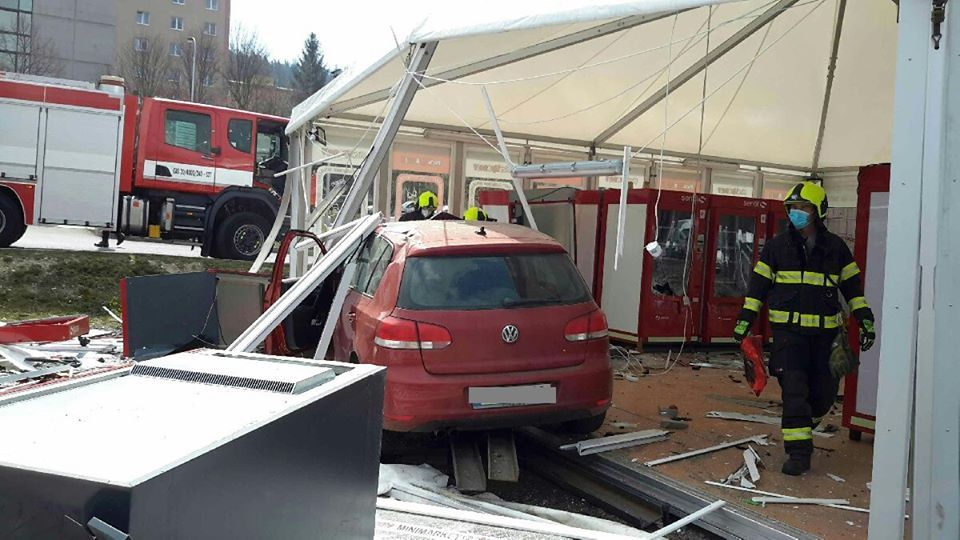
{"x": 428, "y": 199}
{"x": 474, "y": 214}
{"x": 808, "y": 192}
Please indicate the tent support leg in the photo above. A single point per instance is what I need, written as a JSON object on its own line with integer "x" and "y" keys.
{"x": 388, "y": 130}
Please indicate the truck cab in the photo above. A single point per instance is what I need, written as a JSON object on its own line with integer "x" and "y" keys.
{"x": 207, "y": 174}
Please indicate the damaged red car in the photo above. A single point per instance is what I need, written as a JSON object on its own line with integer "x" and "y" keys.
{"x": 479, "y": 325}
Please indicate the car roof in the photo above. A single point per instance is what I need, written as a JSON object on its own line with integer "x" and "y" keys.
{"x": 449, "y": 237}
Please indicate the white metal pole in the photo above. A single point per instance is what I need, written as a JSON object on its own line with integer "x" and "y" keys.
{"x": 388, "y": 130}
{"x": 298, "y": 207}
{"x": 936, "y": 472}
{"x": 899, "y": 346}
{"x": 193, "y": 65}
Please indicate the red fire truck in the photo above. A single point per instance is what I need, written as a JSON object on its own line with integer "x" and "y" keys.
{"x": 74, "y": 153}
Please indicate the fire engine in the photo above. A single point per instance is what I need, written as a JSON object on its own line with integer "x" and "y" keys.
{"x": 74, "y": 153}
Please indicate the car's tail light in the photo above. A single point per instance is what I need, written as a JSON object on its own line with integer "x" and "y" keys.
{"x": 394, "y": 333}
{"x": 591, "y": 326}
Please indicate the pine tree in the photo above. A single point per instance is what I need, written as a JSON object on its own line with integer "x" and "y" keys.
{"x": 310, "y": 74}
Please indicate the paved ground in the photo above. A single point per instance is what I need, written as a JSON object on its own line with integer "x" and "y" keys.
{"x": 80, "y": 239}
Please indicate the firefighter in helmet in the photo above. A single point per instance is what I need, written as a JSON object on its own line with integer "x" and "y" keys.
{"x": 800, "y": 275}
{"x": 475, "y": 214}
{"x": 427, "y": 205}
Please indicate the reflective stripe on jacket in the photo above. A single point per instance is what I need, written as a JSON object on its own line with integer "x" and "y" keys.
{"x": 800, "y": 285}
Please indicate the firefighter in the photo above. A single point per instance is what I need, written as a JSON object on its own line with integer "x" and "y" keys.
{"x": 475, "y": 214}
{"x": 799, "y": 276}
{"x": 427, "y": 204}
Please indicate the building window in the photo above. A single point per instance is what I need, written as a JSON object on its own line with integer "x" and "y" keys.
{"x": 176, "y": 23}
{"x": 176, "y": 49}
{"x": 178, "y": 2}
{"x": 210, "y": 29}
{"x": 140, "y": 44}
{"x": 143, "y": 18}
{"x": 174, "y": 76}
{"x": 208, "y": 80}
{"x": 213, "y": 5}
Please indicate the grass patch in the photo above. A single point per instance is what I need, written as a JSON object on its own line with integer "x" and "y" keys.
{"x": 40, "y": 283}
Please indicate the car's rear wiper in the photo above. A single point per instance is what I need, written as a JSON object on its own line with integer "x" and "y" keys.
{"x": 531, "y": 302}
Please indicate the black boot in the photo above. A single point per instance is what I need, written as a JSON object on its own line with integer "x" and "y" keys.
{"x": 796, "y": 465}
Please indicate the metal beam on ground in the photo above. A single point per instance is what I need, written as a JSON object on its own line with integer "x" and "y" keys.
{"x": 511, "y": 57}
{"x": 502, "y": 464}
{"x": 388, "y": 131}
{"x": 295, "y": 295}
{"x": 658, "y": 95}
{"x": 467, "y": 463}
{"x": 637, "y": 493}
{"x": 898, "y": 345}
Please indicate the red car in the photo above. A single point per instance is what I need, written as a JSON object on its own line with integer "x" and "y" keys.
{"x": 480, "y": 326}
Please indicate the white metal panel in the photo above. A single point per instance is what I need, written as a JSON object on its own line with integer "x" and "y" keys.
{"x": 152, "y": 424}
{"x": 586, "y": 238}
{"x": 556, "y": 220}
{"x": 869, "y": 373}
{"x": 80, "y": 181}
{"x": 621, "y": 288}
{"x": 19, "y": 125}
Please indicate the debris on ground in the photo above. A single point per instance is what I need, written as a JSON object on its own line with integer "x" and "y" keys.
{"x": 613, "y": 442}
{"x": 787, "y": 498}
{"x": 826, "y": 430}
{"x": 758, "y": 439}
{"x": 763, "y": 501}
{"x": 671, "y": 423}
{"x": 836, "y": 478}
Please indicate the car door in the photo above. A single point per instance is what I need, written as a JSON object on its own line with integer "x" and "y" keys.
{"x": 359, "y": 317}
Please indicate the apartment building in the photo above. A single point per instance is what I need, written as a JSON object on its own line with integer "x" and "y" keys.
{"x": 172, "y": 23}
{"x": 87, "y": 38}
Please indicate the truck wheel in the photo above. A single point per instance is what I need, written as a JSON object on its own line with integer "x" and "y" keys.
{"x": 11, "y": 221}
{"x": 241, "y": 236}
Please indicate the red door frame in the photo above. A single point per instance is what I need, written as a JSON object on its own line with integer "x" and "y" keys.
{"x": 872, "y": 179}
{"x": 720, "y": 313}
{"x": 664, "y": 317}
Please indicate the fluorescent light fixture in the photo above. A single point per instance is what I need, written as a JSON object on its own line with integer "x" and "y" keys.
{"x": 607, "y": 167}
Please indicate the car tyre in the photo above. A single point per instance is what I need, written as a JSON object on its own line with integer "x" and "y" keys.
{"x": 583, "y": 426}
{"x": 241, "y": 236}
{"x": 11, "y": 221}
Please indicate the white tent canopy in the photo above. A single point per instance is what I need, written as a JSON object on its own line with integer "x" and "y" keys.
{"x": 597, "y": 75}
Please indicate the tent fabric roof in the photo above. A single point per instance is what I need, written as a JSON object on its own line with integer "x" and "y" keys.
{"x": 764, "y": 95}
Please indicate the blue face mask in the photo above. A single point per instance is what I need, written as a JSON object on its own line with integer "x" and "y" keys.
{"x": 799, "y": 218}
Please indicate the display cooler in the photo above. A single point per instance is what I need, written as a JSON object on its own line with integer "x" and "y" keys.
{"x": 870, "y": 251}
{"x": 692, "y": 292}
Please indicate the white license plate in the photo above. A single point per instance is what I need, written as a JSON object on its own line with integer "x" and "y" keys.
{"x": 490, "y": 397}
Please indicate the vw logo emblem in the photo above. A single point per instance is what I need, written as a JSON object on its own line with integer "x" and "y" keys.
{"x": 510, "y": 334}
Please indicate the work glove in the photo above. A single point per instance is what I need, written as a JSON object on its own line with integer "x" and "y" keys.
{"x": 741, "y": 331}
{"x": 867, "y": 334}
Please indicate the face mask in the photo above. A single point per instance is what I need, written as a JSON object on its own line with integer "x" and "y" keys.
{"x": 427, "y": 212}
{"x": 799, "y": 218}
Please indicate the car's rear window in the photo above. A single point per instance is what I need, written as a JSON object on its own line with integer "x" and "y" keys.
{"x": 490, "y": 282}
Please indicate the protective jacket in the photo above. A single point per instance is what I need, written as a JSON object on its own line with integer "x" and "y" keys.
{"x": 800, "y": 285}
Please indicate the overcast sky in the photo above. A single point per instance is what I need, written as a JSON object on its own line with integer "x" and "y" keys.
{"x": 349, "y": 31}
{"x": 352, "y": 31}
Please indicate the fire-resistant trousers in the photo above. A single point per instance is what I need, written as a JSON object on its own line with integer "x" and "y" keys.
{"x": 801, "y": 364}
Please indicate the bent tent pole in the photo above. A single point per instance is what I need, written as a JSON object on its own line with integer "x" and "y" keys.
{"x": 284, "y": 306}
{"x": 370, "y": 168}
{"x": 333, "y": 315}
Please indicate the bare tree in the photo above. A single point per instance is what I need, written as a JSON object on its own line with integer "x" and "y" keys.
{"x": 32, "y": 54}
{"x": 209, "y": 55}
{"x": 147, "y": 65}
{"x": 247, "y": 68}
